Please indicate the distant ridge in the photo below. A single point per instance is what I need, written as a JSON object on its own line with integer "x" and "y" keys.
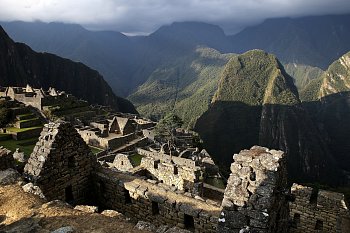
{"x": 20, "y": 65}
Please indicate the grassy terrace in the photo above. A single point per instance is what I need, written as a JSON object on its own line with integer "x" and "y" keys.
{"x": 30, "y": 119}
{"x": 25, "y": 116}
{"x": 95, "y": 150}
{"x": 16, "y": 130}
{"x": 26, "y": 145}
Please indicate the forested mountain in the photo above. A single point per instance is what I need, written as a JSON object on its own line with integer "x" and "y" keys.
{"x": 329, "y": 104}
{"x": 257, "y": 103}
{"x": 186, "y": 85}
{"x": 20, "y": 65}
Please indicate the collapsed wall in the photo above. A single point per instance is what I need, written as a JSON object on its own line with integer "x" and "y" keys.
{"x": 254, "y": 198}
{"x": 61, "y": 164}
{"x": 313, "y": 211}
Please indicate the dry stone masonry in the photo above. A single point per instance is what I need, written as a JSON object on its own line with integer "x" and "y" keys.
{"x": 63, "y": 167}
{"x": 61, "y": 164}
{"x": 321, "y": 211}
{"x": 254, "y": 199}
{"x": 147, "y": 200}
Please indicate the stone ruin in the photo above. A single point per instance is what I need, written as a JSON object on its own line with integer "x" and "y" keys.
{"x": 254, "y": 199}
{"x": 61, "y": 164}
{"x": 318, "y": 211}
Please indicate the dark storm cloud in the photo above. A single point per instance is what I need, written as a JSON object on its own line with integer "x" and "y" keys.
{"x": 144, "y": 16}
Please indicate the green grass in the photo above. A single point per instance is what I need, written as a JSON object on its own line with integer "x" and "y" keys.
{"x": 16, "y": 130}
{"x": 31, "y": 119}
{"x": 216, "y": 182}
{"x": 26, "y": 145}
{"x": 95, "y": 150}
{"x": 25, "y": 116}
{"x": 5, "y": 136}
{"x": 136, "y": 159}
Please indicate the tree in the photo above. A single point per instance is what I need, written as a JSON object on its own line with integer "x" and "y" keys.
{"x": 166, "y": 128}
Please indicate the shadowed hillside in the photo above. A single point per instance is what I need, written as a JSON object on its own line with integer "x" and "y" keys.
{"x": 20, "y": 65}
{"x": 257, "y": 103}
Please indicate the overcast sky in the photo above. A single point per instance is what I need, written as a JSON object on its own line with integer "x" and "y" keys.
{"x": 145, "y": 16}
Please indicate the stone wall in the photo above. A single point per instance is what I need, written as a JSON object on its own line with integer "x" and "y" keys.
{"x": 322, "y": 211}
{"x": 183, "y": 178}
{"x": 157, "y": 203}
{"x": 122, "y": 162}
{"x": 6, "y": 159}
{"x": 61, "y": 164}
{"x": 254, "y": 198}
{"x": 30, "y": 133}
{"x": 91, "y": 137}
{"x": 167, "y": 158}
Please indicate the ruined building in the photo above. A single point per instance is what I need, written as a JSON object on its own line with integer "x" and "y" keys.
{"x": 255, "y": 196}
{"x": 318, "y": 211}
{"x": 254, "y": 199}
{"x": 61, "y": 164}
{"x": 37, "y": 98}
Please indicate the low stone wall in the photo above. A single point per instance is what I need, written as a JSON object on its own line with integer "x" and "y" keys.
{"x": 254, "y": 198}
{"x": 167, "y": 158}
{"x": 6, "y": 159}
{"x": 156, "y": 203}
{"x": 28, "y": 123}
{"x": 181, "y": 177}
{"x": 323, "y": 211}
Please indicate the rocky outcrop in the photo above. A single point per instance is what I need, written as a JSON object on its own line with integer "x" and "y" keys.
{"x": 20, "y": 65}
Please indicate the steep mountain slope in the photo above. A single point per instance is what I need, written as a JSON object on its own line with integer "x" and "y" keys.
{"x": 20, "y": 65}
{"x": 303, "y": 75}
{"x": 111, "y": 53}
{"x": 314, "y": 40}
{"x": 186, "y": 86}
{"x": 257, "y": 103}
{"x": 330, "y": 107}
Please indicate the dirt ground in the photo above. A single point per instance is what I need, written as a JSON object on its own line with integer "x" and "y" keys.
{"x": 22, "y": 212}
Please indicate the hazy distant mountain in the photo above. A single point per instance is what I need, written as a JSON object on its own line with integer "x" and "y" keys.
{"x": 20, "y": 65}
{"x": 314, "y": 40}
{"x": 111, "y": 53}
{"x": 128, "y": 62}
{"x": 256, "y": 103}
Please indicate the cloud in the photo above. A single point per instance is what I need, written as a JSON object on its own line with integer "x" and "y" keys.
{"x": 144, "y": 16}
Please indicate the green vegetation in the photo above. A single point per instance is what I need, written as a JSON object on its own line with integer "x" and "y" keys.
{"x": 95, "y": 150}
{"x": 16, "y": 130}
{"x": 255, "y": 78}
{"x": 216, "y": 182}
{"x": 26, "y": 145}
{"x": 136, "y": 159}
{"x": 302, "y": 74}
{"x": 167, "y": 126}
{"x": 185, "y": 86}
